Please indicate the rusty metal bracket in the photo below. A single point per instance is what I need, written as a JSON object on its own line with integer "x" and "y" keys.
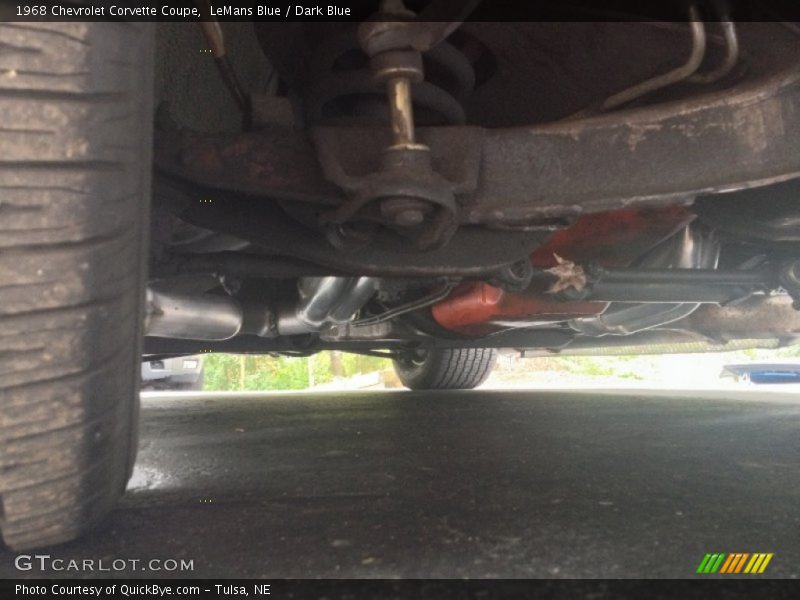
{"x": 412, "y": 196}
{"x": 393, "y": 176}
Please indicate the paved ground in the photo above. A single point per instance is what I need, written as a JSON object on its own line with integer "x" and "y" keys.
{"x": 480, "y": 484}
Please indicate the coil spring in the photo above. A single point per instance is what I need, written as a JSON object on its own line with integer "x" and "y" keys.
{"x": 343, "y": 91}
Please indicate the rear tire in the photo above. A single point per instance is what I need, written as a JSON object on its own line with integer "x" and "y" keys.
{"x": 75, "y": 162}
{"x": 445, "y": 369}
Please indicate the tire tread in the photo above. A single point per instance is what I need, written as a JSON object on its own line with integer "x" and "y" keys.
{"x": 75, "y": 108}
{"x": 448, "y": 369}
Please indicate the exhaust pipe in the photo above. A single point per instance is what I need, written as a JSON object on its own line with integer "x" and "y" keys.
{"x": 323, "y": 301}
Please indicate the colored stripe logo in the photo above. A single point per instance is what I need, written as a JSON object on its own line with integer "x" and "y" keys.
{"x": 737, "y": 562}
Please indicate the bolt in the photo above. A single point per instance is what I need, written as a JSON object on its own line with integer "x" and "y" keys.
{"x": 409, "y": 217}
{"x": 405, "y": 212}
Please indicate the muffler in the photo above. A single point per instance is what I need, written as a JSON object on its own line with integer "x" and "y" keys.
{"x": 191, "y": 317}
{"x": 323, "y": 301}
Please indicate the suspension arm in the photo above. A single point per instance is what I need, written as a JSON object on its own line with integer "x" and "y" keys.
{"x": 670, "y": 285}
{"x": 531, "y": 176}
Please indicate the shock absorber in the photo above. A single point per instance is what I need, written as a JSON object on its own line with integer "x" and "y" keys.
{"x": 410, "y": 194}
{"x": 342, "y": 89}
{"x": 396, "y": 66}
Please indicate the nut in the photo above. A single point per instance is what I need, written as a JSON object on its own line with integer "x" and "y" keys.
{"x": 404, "y": 211}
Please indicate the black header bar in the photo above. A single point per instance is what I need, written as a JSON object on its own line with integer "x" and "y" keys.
{"x": 358, "y": 10}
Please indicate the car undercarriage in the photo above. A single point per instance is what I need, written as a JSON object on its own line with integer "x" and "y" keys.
{"x": 417, "y": 182}
{"x": 546, "y": 186}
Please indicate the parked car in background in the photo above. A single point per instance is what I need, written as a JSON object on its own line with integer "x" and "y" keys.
{"x": 764, "y": 373}
{"x": 183, "y": 373}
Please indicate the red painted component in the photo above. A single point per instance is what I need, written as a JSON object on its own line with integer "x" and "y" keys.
{"x": 477, "y": 308}
{"x": 610, "y": 239}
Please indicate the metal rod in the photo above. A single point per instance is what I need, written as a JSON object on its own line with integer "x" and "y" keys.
{"x": 669, "y": 293}
{"x": 403, "y": 309}
{"x": 670, "y": 77}
{"x": 677, "y": 276}
{"x": 231, "y": 81}
{"x": 658, "y": 82}
{"x": 731, "y": 56}
{"x": 216, "y": 40}
{"x": 668, "y": 285}
{"x": 401, "y": 110}
{"x": 213, "y": 33}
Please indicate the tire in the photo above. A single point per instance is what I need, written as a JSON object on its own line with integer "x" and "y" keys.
{"x": 75, "y": 162}
{"x": 445, "y": 369}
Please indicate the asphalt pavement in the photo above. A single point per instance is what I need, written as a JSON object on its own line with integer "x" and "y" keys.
{"x": 456, "y": 484}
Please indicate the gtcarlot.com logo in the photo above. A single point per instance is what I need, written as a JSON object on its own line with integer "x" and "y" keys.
{"x": 733, "y": 563}
{"x": 45, "y": 562}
